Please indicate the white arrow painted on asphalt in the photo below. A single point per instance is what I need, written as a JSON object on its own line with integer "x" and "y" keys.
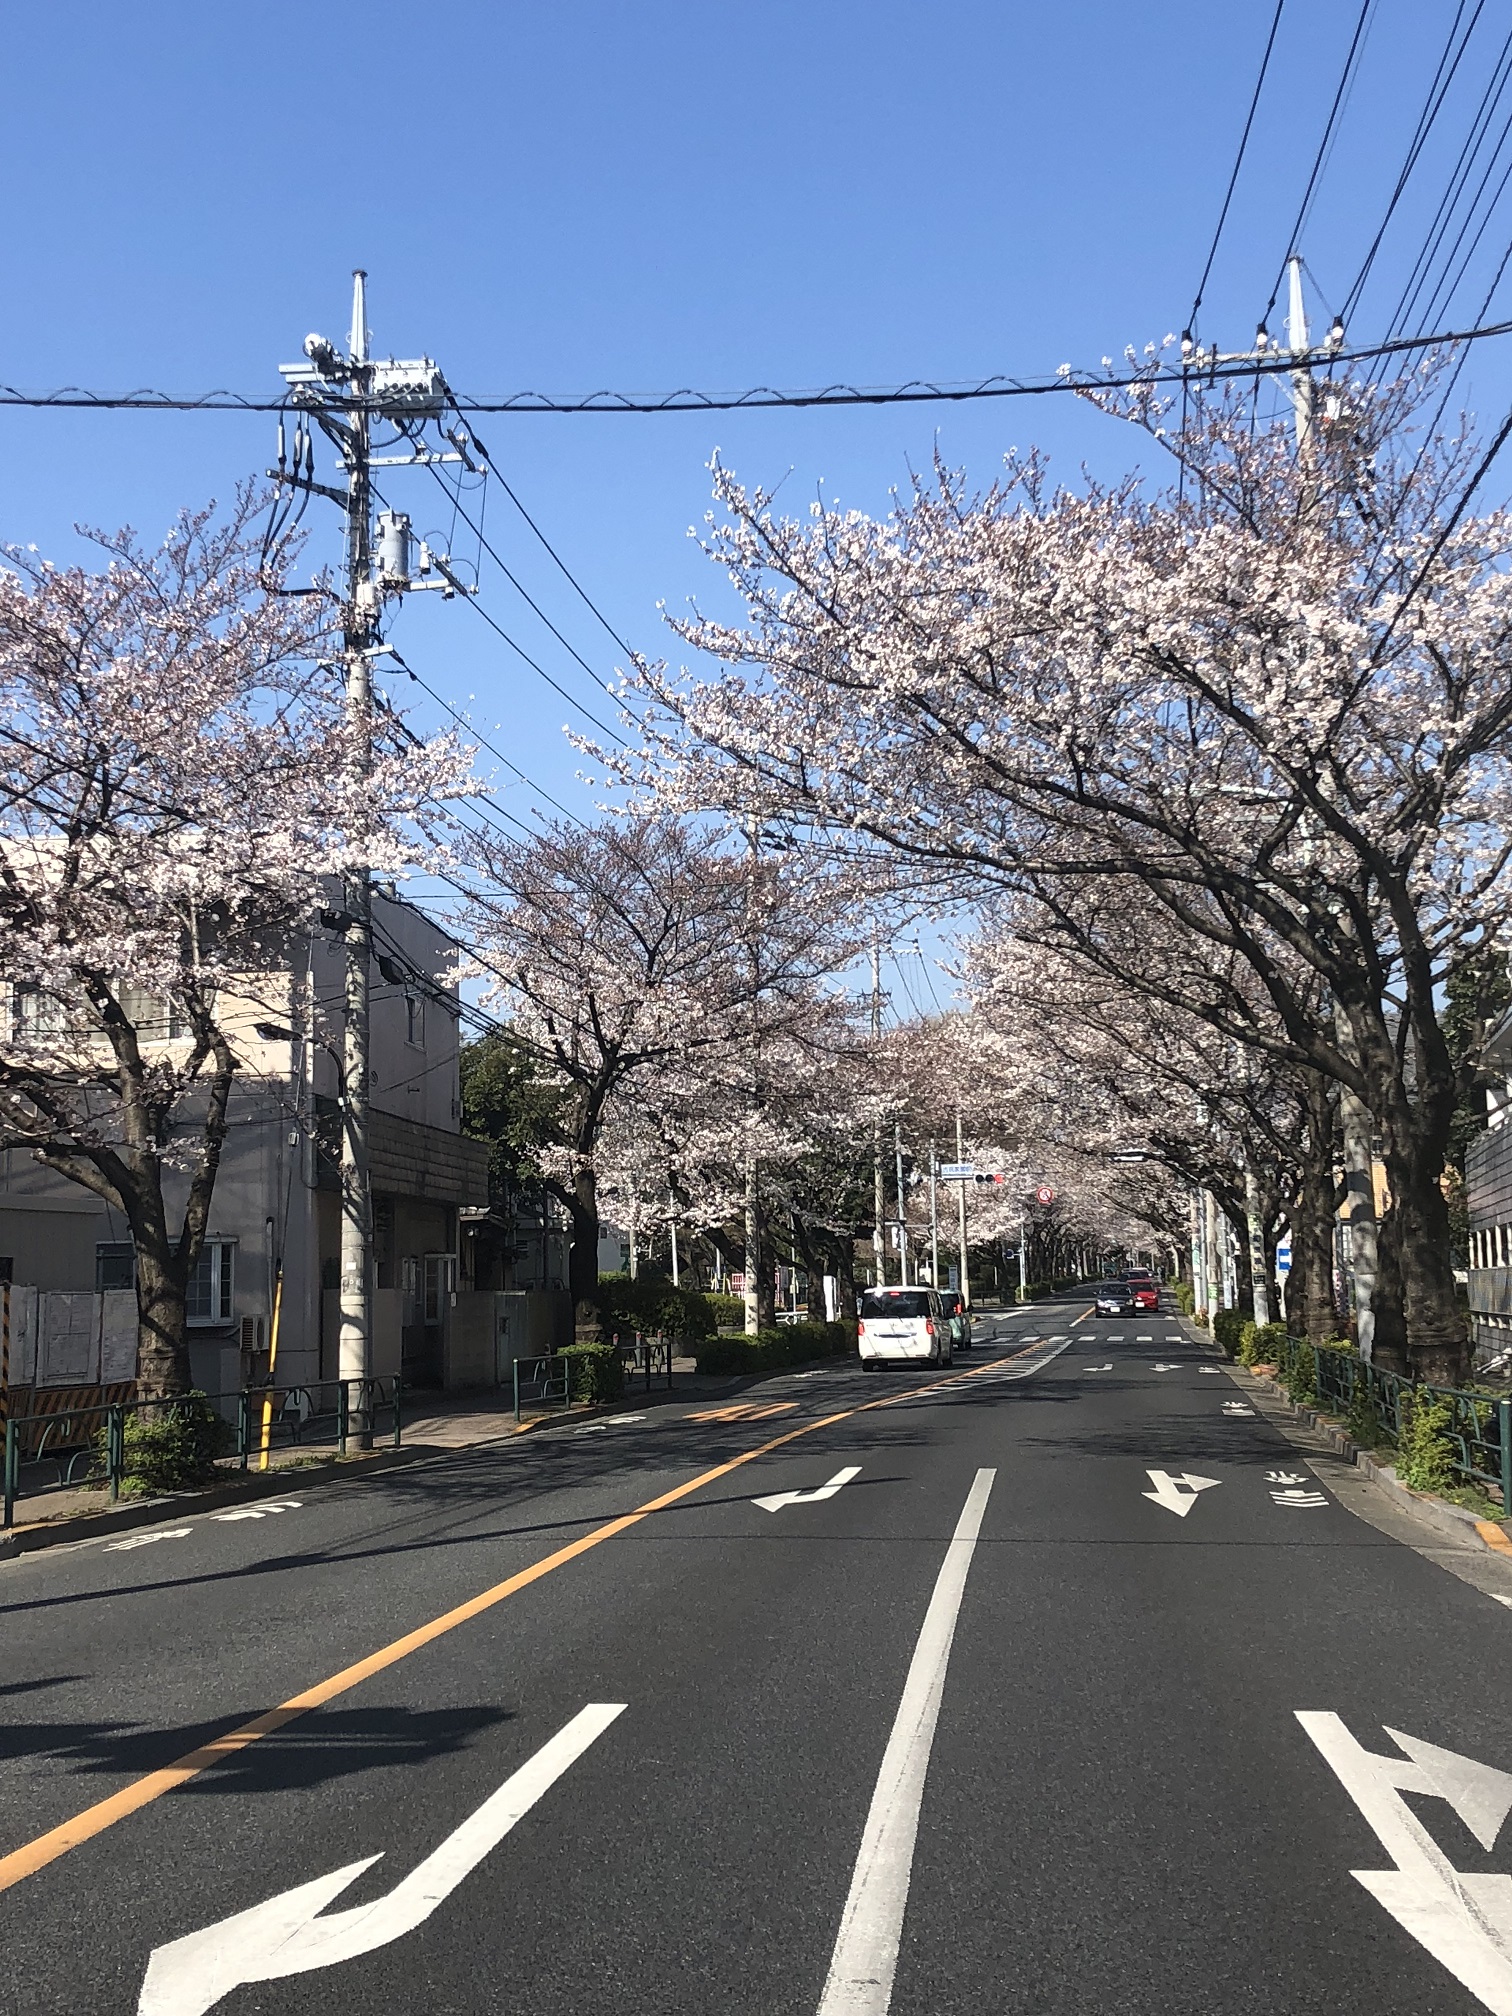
{"x": 1464, "y": 1918}
{"x": 1099, "y": 1368}
{"x": 1236, "y": 1408}
{"x": 1165, "y": 1368}
{"x": 287, "y": 1935}
{"x": 1177, "y": 1494}
{"x": 837, "y": 1483}
{"x": 259, "y": 1511}
{"x": 146, "y": 1539}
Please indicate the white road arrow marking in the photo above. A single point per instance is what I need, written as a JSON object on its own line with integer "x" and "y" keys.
{"x": 1099, "y": 1368}
{"x": 1177, "y": 1494}
{"x": 1165, "y": 1368}
{"x": 837, "y": 1483}
{"x": 1211, "y": 1371}
{"x": 1237, "y": 1407}
{"x": 146, "y": 1539}
{"x": 1463, "y": 1919}
{"x": 259, "y": 1511}
{"x": 1284, "y": 1477}
{"x": 288, "y": 1935}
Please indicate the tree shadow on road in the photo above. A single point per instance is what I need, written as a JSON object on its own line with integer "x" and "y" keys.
{"x": 313, "y": 1750}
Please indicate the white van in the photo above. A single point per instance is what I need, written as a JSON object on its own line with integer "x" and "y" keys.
{"x": 906, "y": 1326}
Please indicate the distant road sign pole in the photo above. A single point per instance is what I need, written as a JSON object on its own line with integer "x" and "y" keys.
{"x": 961, "y": 1216}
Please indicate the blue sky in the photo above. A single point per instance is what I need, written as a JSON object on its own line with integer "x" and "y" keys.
{"x": 641, "y": 197}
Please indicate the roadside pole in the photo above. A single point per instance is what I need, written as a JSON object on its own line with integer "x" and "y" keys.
{"x": 1212, "y": 1254}
{"x": 879, "y": 1194}
{"x": 341, "y": 394}
{"x": 902, "y": 1208}
{"x": 961, "y": 1215}
{"x": 1259, "y": 1284}
{"x": 934, "y": 1217}
{"x": 1023, "y": 1293}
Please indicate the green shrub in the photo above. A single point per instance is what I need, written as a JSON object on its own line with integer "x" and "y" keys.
{"x": 1227, "y": 1324}
{"x": 771, "y": 1350}
{"x": 1299, "y": 1373}
{"x": 1425, "y": 1453}
{"x": 651, "y": 1303}
{"x": 728, "y": 1312}
{"x": 170, "y": 1447}
{"x": 595, "y": 1372}
{"x": 1262, "y": 1343}
{"x": 1186, "y": 1300}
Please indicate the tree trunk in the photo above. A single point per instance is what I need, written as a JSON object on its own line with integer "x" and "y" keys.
{"x": 1311, "y": 1312}
{"x": 582, "y": 1261}
{"x": 1438, "y": 1343}
{"x": 162, "y": 1320}
{"x": 1390, "y": 1323}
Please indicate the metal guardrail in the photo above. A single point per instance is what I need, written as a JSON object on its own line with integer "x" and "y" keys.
{"x": 1479, "y": 1428}
{"x": 542, "y": 1383}
{"x": 89, "y": 1444}
{"x": 646, "y": 1353}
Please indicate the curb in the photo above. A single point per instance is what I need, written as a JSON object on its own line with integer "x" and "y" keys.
{"x": 1452, "y": 1520}
{"x": 275, "y": 1483}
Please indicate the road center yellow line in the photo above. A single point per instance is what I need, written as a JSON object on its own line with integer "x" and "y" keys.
{"x": 36, "y": 1854}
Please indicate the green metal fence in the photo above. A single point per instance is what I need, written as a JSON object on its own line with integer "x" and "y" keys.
{"x": 46, "y": 1453}
{"x": 1479, "y": 1428}
{"x": 541, "y": 1382}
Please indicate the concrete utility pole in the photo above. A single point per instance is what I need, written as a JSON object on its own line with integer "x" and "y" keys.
{"x": 961, "y": 1215}
{"x": 359, "y": 630}
{"x": 1023, "y": 1260}
{"x": 1199, "y": 1270}
{"x": 1259, "y": 1281}
{"x": 342, "y": 394}
{"x": 902, "y": 1208}
{"x": 1212, "y": 1254}
{"x": 879, "y": 1193}
{"x": 1359, "y": 1185}
{"x": 934, "y": 1217}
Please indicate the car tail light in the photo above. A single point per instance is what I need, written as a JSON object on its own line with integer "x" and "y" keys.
{"x": 929, "y": 1326}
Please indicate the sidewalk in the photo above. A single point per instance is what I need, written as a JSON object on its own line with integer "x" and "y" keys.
{"x": 448, "y": 1424}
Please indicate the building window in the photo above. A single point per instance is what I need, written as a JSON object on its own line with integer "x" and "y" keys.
{"x": 211, "y": 1283}
{"x": 440, "y": 1281}
{"x": 115, "y": 1265}
{"x": 414, "y": 1019}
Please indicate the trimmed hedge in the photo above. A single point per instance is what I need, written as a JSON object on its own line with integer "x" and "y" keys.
{"x": 729, "y": 1310}
{"x": 651, "y": 1303}
{"x": 770, "y": 1350}
{"x": 1186, "y": 1298}
{"x": 595, "y": 1372}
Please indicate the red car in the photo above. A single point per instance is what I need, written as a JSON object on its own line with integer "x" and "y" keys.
{"x": 1143, "y": 1286}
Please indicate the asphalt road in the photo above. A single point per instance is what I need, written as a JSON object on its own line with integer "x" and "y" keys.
{"x": 1008, "y": 1721}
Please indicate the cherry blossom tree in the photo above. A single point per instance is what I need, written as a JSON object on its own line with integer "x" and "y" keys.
{"x": 1274, "y": 696}
{"x": 177, "y": 771}
{"x": 638, "y": 957}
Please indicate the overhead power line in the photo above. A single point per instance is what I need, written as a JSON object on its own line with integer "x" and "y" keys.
{"x": 1346, "y": 75}
{"x": 761, "y": 398}
{"x": 1228, "y": 195}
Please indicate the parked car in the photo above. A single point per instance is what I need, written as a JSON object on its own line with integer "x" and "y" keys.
{"x": 1115, "y": 1298}
{"x": 903, "y": 1326}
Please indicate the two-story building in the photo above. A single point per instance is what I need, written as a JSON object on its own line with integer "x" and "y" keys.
{"x": 277, "y": 1201}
